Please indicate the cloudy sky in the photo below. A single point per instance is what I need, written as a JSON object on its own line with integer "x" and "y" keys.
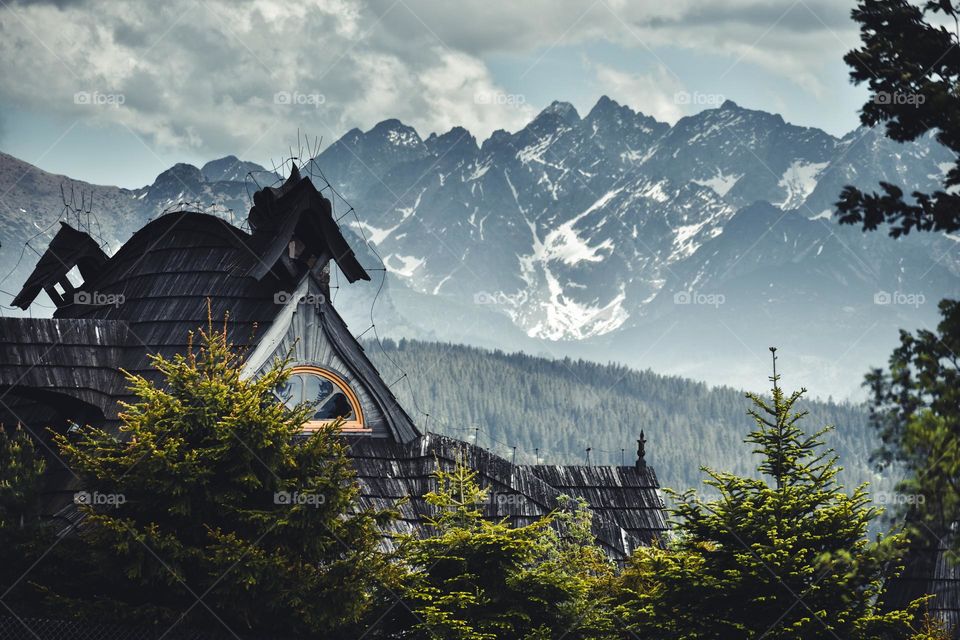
{"x": 115, "y": 92}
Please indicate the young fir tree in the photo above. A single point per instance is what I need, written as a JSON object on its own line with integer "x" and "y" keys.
{"x": 21, "y": 469}
{"x": 474, "y": 579}
{"x": 24, "y": 538}
{"x": 784, "y": 555}
{"x": 209, "y": 508}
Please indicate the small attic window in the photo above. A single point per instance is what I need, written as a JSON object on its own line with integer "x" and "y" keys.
{"x": 330, "y": 395}
{"x": 75, "y": 278}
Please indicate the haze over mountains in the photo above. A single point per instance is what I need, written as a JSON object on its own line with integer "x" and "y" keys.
{"x": 687, "y": 249}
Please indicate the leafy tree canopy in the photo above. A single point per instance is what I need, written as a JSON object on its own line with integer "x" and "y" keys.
{"x": 911, "y": 65}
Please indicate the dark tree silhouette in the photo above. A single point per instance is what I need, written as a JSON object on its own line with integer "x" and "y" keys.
{"x": 912, "y": 66}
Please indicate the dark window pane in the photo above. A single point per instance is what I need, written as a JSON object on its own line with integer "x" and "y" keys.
{"x": 336, "y": 407}
{"x": 316, "y": 389}
{"x": 291, "y": 392}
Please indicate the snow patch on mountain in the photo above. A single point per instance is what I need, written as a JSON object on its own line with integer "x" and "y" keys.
{"x": 403, "y": 138}
{"x": 655, "y": 191}
{"x": 799, "y": 181}
{"x": 376, "y": 235}
{"x": 404, "y": 266}
{"x": 566, "y": 317}
{"x": 566, "y": 245}
{"x": 721, "y": 183}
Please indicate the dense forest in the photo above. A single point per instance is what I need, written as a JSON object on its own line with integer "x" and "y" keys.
{"x": 559, "y": 408}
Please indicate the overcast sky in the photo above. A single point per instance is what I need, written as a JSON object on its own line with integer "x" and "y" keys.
{"x": 115, "y": 92}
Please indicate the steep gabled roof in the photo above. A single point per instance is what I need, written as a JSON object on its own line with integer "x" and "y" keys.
{"x": 185, "y": 269}
{"x": 316, "y": 334}
{"x": 297, "y": 210}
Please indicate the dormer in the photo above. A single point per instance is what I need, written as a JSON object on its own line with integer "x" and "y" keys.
{"x": 70, "y": 249}
{"x": 294, "y": 231}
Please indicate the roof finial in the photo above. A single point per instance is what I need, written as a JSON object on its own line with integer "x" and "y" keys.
{"x": 641, "y": 451}
{"x": 774, "y": 378}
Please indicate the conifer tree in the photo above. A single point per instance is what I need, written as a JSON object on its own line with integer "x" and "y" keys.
{"x": 781, "y": 555}
{"x": 24, "y": 538}
{"x": 21, "y": 469}
{"x": 474, "y": 579}
{"x": 211, "y": 508}
{"x": 915, "y": 406}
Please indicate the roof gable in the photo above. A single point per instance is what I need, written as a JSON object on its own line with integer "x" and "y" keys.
{"x": 297, "y": 213}
{"x": 311, "y": 332}
{"x": 69, "y": 248}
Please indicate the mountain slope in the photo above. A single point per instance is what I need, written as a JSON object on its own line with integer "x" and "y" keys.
{"x": 553, "y": 410}
{"x": 612, "y": 236}
{"x": 582, "y": 231}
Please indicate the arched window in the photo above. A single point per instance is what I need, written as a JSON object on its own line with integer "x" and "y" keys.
{"x": 330, "y": 396}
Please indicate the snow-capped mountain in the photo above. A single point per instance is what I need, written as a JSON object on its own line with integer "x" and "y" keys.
{"x": 576, "y": 225}
{"x": 686, "y": 248}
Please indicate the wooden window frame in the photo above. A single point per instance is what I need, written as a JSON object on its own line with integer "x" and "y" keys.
{"x": 357, "y": 425}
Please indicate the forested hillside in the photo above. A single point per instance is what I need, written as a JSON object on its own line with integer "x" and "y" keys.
{"x": 562, "y": 407}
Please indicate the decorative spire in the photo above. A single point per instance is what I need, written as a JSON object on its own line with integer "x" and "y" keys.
{"x": 641, "y": 451}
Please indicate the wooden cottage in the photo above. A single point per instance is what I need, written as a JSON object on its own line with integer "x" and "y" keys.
{"x": 273, "y": 284}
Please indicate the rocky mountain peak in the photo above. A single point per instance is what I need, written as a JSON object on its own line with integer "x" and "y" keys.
{"x": 563, "y": 110}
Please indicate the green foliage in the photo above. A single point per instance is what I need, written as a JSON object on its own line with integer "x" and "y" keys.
{"x": 211, "y": 505}
{"x": 916, "y": 408}
{"x": 24, "y": 538}
{"x": 21, "y": 469}
{"x": 783, "y": 555}
{"x": 473, "y": 579}
{"x": 912, "y": 67}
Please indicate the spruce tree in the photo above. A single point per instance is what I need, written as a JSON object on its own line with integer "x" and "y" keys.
{"x": 474, "y": 579}
{"x": 211, "y": 509}
{"x": 780, "y": 555}
{"x": 21, "y": 471}
{"x": 24, "y": 538}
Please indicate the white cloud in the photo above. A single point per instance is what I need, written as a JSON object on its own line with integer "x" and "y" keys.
{"x": 203, "y": 76}
{"x": 653, "y": 93}
{"x": 207, "y": 76}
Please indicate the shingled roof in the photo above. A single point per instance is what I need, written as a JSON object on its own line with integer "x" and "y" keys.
{"x": 184, "y": 269}
{"x": 628, "y": 512}
{"x": 176, "y": 274}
